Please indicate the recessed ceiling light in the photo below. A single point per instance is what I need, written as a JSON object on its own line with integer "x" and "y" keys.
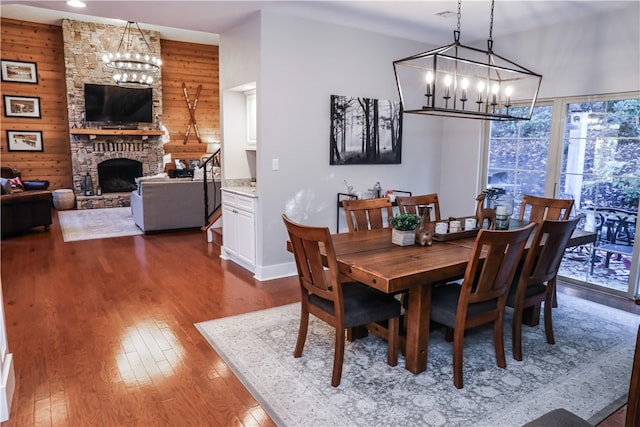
{"x": 446, "y": 14}
{"x": 76, "y": 3}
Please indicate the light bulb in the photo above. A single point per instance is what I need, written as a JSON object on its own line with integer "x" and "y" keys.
{"x": 429, "y": 77}
{"x": 447, "y": 80}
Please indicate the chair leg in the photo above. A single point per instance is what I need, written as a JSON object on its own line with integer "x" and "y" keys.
{"x": 458, "y": 345}
{"x": 302, "y": 333}
{"x": 498, "y": 341}
{"x": 338, "y": 357}
{"x": 548, "y": 320}
{"x": 516, "y": 333}
{"x": 392, "y": 341}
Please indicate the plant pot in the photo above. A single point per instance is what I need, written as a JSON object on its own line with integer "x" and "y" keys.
{"x": 403, "y": 238}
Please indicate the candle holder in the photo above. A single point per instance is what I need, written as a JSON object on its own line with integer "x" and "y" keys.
{"x": 504, "y": 209}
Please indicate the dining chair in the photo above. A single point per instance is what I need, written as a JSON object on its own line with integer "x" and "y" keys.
{"x": 541, "y": 208}
{"x": 410, "y": 204}
{"x": 534, "y": 281}
{"x": 480, "y": 299}
{"x": 342, "y": 305}
{"x": 367, "y": 214}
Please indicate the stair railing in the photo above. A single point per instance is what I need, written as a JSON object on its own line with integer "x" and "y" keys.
{"x": 211, "y": 162}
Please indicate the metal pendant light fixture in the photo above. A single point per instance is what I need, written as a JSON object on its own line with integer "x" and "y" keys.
{"x": 133, "y": 66}
{"x": 462, "y": 81}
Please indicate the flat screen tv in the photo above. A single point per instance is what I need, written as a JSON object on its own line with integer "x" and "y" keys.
{"x": 117, "y": 105}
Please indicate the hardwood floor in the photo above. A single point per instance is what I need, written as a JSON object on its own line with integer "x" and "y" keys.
{"x": 102, "y": 332}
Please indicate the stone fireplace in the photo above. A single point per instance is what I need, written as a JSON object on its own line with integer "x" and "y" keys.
{"x": 124, "y": 154}
{"x": 113, "y": 162}
{"x": 117, "y": 175}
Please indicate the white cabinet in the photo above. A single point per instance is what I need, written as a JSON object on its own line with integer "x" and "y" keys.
{"x": 239, "y": 229}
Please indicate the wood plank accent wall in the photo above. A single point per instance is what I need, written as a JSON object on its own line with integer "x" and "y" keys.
{"x": 190, "y": 63}
{"x": 194, "y": 64}
{"x": 42, "y": 44}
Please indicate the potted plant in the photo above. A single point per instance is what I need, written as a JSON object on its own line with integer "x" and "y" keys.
{"x": 404, "y": 226}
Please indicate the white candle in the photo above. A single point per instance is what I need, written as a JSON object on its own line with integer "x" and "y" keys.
{"x": 501, "y": 210}
{"x": 447, "y": 85}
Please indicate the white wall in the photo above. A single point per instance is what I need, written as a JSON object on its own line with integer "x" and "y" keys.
{"x": 588, "y": 57}
{"x": 303, "y": 63}
{"x": 239, "y": 64}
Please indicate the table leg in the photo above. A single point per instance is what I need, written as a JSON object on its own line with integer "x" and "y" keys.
{"x": 418, "y": 316}
{"x": 531, "y": 315}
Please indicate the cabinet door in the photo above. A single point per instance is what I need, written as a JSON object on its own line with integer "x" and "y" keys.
{"x": 229, "y": 227}
{"x": 246, "y": 244}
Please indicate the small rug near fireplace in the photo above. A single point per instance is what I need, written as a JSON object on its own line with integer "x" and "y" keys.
{"x": 587, "y": 371}
{"x": 87, "y": 224}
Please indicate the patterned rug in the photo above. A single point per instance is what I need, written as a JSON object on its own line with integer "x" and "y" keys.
{"x": 87, "y": 224}
{"x": 587, "y": 371}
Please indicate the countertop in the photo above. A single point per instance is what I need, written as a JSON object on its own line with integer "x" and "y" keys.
{"x": 242, "y": 190}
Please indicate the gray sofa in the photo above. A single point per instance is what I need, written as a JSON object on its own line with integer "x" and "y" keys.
{"x": 171, "y": 204}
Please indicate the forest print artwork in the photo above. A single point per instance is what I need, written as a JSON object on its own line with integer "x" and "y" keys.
{"x": 365, "y": 131}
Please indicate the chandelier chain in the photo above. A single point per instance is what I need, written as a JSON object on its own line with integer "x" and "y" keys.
{"x": 459, "y": 13}
{"x": 491, "y": 22}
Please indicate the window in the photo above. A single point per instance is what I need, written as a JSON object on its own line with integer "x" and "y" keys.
{"x": 518, "y": 153}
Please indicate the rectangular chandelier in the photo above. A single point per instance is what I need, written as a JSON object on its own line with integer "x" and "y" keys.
{"x": 461, "y": 81}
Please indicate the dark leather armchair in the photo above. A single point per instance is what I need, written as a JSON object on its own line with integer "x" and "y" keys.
{"x": 24, "y": 210}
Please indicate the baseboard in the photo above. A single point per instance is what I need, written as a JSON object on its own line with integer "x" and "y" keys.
{"x": 7, "y": 387}
{"x": 277, "y": 271}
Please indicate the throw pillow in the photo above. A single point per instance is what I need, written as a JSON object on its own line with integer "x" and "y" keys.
{"x": 6, "y": 187}
{"x": 16, "y": 185}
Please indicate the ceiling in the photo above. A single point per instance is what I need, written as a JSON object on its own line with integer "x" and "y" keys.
{"x": 203, "y": 21}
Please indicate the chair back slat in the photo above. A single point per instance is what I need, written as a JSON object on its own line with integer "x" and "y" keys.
{"x": 542, "y": 208}
{"x": 367, "y": 214}
{"x": 410, "y": 204}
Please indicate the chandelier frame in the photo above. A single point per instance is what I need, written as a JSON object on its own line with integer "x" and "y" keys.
{"x": 437, "y": 82}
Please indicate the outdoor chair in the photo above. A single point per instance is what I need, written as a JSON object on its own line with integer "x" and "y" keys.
{"x": 343, "y": 305}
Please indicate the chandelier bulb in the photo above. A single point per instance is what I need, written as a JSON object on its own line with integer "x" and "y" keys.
{"x": 429, "y": 77}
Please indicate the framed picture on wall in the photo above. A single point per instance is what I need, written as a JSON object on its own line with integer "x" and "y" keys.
{"x": 365, "y": 131}
{"x": 19, "y": 71}
{"x": 24, "y": 140}
{"x": 22, "y": 106}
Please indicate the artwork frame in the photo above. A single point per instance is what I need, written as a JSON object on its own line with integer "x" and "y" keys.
{"x": 25, "y": 140}
{"x": 194, "y": 163}
{"x": 365, "y": 131}
{"x": 19, "y": 71}
{"x": 22, "y": 106}
{"x": 180, "y": 164}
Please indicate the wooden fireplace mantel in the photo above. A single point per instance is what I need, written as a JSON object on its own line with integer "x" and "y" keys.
{"x": 148, "y": 132}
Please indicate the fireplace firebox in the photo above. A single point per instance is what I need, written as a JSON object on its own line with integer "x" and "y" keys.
{"x": 118, "y": 175}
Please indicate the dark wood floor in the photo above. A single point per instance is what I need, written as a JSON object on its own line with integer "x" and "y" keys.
{"x": 102, "y": 331}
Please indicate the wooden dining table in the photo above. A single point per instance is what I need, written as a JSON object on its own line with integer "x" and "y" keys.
{"x": 369, "y": 257}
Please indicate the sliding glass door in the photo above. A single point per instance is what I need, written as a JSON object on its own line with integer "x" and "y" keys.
{"x": 600, "y": 169}
{"x": 587, "y": 149}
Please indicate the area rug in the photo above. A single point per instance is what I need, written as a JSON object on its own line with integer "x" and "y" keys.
{"x": 87, "y": 224}
{"x": 587, "y": 371}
